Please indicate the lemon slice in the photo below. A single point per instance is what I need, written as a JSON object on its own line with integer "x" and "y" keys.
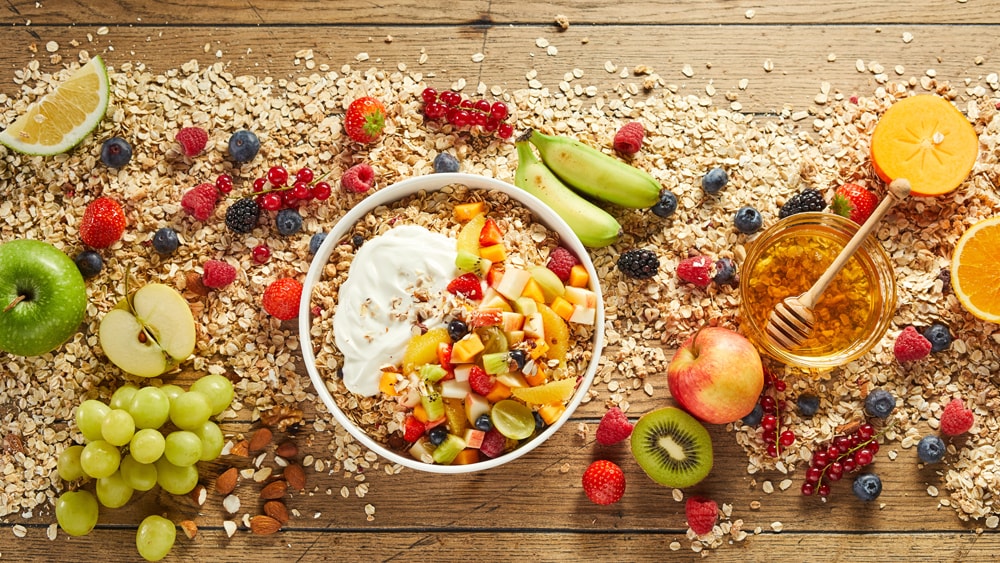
{"x": 63, "y": 117}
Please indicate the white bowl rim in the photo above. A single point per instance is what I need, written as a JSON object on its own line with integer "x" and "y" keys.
{"x": 398, "y": 191}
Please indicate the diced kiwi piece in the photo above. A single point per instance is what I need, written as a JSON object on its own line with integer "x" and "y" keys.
{"x": 673, "y": 448}
{"x": 433, "y": 404}
{"x": 469, "y": 262}
{"x": 496, "y": 362}
{"x": 448, "y": 450}
{"x": 432, "y": 373}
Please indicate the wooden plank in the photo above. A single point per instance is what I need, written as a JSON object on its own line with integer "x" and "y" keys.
{"x": 798, "y": 74}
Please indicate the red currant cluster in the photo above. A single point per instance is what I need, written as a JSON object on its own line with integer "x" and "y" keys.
{"x": 844, "y": 454}
{"x": 462, "y": 113}
{"x": 769, "y": 410}
{"x": 274, "y": 192}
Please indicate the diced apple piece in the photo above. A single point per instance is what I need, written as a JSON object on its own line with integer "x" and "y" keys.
{"x": 475, "y": 406}
{"x": 474, "y": 438}
{"x": 462, "y": 371}
{"x": 578, "y": 276}
{"x": 583, "y": 315}
{"x": 494, "y": 253}
{"x": 455, "y": 389}
{"x": 511, "y": 322}
{"x": 410, "y": 398}
{"x": 534, "y": 325}
{"x": 525, "y": 305}
{"x": 551, "y": 392}
{"x": 550, "y": 283}
{"x": 581, "y": 296}
{"x": 466, "y": 349}
{"x": 422, "y": 450}
{"x": 562, "y": 308}
{"x": 515, "y": 337}
{"x": 465, "y": 211}
{"x": 493, "y": 300}
{"x": 512, "y": 380}
{"x": 512, "y": 282}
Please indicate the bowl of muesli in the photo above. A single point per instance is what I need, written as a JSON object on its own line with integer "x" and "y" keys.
{"x": 451, "y": 322}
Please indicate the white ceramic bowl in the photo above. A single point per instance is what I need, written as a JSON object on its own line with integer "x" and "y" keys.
{"x": 397, "y": 191}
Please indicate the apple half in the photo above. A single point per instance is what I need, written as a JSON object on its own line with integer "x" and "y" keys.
{"x": 149, "y": 333}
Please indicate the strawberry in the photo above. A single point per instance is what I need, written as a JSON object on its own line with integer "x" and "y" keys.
{"x": 364, "y": 119}
{"x": 281, "y": 298}
{"x": 956, "y": 419}
{"x": 613, "y": 428}
{"x": 466, "y": 285}
{"x": 701, "y": 514}
{"x": 490, "y": 234}
{"x": 444, "y": 355}
{"x": 413, "y": 429}
{"x": 192, "y": 140}
{"x": 604, "y": 482}
{"x": 103, "y": 223}
{"x": 854, "y": 202}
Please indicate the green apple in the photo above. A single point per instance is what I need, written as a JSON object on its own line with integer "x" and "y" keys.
{"x": 150, "y": 332}
{"x": 43, "y": 297}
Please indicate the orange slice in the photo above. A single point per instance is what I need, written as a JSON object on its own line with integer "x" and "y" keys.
{"x": 975, "y": 277}
{"x": 926, "y": 140}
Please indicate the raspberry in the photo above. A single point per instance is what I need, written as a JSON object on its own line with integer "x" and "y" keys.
{"x": 466, "y": 285}
{"x": 911, "y": 345}
{"x": 218, "y": 274}
{"x": 358, "y": 179}
{"x": 103, "y": 223}
{"x": 628, "y": 139}
{"x": 701, "y": 514}
{"x": 561, "y": 261}
{"x": 192, "y": 140}
{"x": 480, "y": 381}
{"x": 956, "y": 419}
{"x": 613, "y": 428}
{"x": 281, "y": 299}
{"x": 696, "y": 270}
{"x": 199, "y": 201}
{"x": 494, "y": 443}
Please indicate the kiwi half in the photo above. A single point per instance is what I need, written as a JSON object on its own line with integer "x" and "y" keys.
{"x": 673, "y": 448}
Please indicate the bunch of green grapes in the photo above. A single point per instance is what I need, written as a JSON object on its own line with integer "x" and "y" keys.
{"x": 141, "y": 438}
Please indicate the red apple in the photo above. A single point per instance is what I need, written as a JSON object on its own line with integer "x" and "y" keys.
{"x": 716, "y": 375}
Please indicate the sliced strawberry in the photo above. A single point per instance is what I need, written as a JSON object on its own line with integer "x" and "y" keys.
{"x": 494, "y": 274}
{"x": 491, "y": 233}
{"x": 467, "y": 285}
{"x": 444, "y": 355}
{"x": 413, "y": 429}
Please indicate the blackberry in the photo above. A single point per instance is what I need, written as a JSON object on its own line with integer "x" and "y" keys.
{"x": 315, "y": 242}
{"x": 939, "y": 336}
{"x": 90, "y": 263}
{"x": 806, "y": 200}
{"x": 808, "y": 404}
{"x": 880, "y": 403}
{"x": 714, "y": 180}
{"x": 638, "y": 263}
{"x": 445, "y": 162}
{"x": 666, "y": 205}
{"x": 725, "y": 272}
{"x": 242, "y": 216}
{"x": 867, "y": 486}
{"x": 116, "y": 152}
{"x": 288, "y": 221}
{"x": 243, "y": 146}
{"x": 165, "y": 241}
{"x": 748, "y": 220}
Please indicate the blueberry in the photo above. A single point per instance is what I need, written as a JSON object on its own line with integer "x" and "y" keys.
{"x": 939, "y": 335}
{"x": 714, "y": 180}
{"x": 725, "y": 271}
{"x": 867, "y": 486}
{"x": 753, "y": 419}
{"x": 930, "y": 449}
{"x": 116, "y": 152}
{"x": 539, "y": 421}
{"x": 437, "y": 435}
{"x": 165, "y": 241}
{"x": 357, "y": 241}
{"x": 243, "y": 146}
{"x": 808, "y": 404}
{"x": 748, "y": 220}
{"x": 666, "y": 205}
{"x": 315, "y": 242}
{"x": 288, "y": 221}
{"x": 90, "y": 263}
{"x": 519, "y": 357}
{"x": 445, "y": 162}
{"x": 457, "y": 329}
{"x": 880, "y": 403}
{"x": 484, "y": 423}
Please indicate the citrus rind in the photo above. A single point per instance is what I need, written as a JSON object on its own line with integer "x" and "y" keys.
{"x": 976, "y": 295}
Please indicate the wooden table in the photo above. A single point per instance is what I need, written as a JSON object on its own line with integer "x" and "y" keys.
{"x": 534, "y": 509}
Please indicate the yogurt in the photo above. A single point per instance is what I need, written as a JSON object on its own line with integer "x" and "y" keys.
{"x": 376, "y": 309}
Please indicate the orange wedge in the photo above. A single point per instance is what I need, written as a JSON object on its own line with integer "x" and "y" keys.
{"x": 975, "y": 278}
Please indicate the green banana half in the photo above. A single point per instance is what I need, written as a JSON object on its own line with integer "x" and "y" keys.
{"x": 594, "y": 226}
{"x": 594, "y": 173}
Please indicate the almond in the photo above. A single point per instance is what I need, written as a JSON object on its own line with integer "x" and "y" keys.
{"x": 295, "y": 476}
{"x": 260, "y": 439}
{"x": 190, "y": 528}
{"x": 274, "y": 490}
{"x": 199, "y": 494}
{"x": 277, "y": 510}
{"x": 287, "y": 449}
{"x": 241, "y": 448}
{"x": 262, "y": 525}
{"x": 226, "y": 482}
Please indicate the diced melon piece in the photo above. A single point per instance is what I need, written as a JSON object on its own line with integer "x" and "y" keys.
{"x": 581, "y": 296}
{"x": 539, "y": 348}
{"x": 466, "y": 349}
{"x": 534, "y": 325}
{"x": 550, "y": 283}
{"x": 551, "y": 412}
{"x": 583, "y": 315}
{"x": 387, "y": 383}
{"x": 499, "y": 393}
{"x": 578, "y": 276}
{"x": 533, "y": 291}
{"x": 475, "y": 406}
{"x": 538, "y": 376}
{"x": 511, "y": 322}
{"x": 465, "y": 211}
{"x": 454, "y": 412}
{"x": 551, "y": 392}
{"x": 556, "y": 334}
{"x": 455, "y": 389}
{"x": 562, "y": 308}
{"x": 467, "y": 456}
{"x": 422, "y": 450}
{"x": 474, "y": 438}
{"x": 525, "y": 305}
{"x": 420, "y": 413}
{"x": 512, "y": 379}
{"x": 494, "y": 252}
{"x": 512, "y": 282}
{"x": 422, "y": 349}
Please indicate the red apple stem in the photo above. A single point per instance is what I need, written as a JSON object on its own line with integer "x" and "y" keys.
{"x": 14, "y": 303}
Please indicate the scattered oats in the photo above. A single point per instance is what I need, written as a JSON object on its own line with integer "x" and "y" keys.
{"x": 648, "y": 389}
{"x": 478, "y": 57}
{"x": 687, "y": 71}
{"x": 677, "y": 494}
{"x": 564, "y": 468}
{"x": 932, "y": 490}
{"x": 675, "y": 546}
{"x": 859, "y": 65}
{"x": 103, "y": 30}
{"x": 784, "y": 484}
{"x": 777, "y": 526}
{"x": 831, "y": 57}
{"x": 52, "y": 531}
{"x": 230, "y": 527}
{"x": 388, "y": 39}
{"x": 892, "y": 455}
{"x": 541, "y": 42}
{"x": 610, "y": 67}
{"x": 743, "y": 83}
{"x": 767, "y": 487}
{"x": 19, "y": 530}
{"x": 899, "y": 69}
{"x": 750, "y": 14}
{"x": 768, "y": 65}
{"x": 755, "y": 505}
{"x": 51, "y": 46}
{"x": 907, "y": 37}
{"x": 361, "y": 57}
{"x": 993, "y": 521}
{"x": 551, "y": 50}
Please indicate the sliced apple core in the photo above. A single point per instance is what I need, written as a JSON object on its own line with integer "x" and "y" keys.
{"x": 167, "y": 317}
{"x": 120, "y": 338}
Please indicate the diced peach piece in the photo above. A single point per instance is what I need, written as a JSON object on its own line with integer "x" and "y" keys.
{"x": 474, "y": 438}
{"x": 534, "y": 291}
{"x": 578, "y": 276}
{"x": 494, "y": 253}
{"x": 581, "y": 296}
{"x": 512, "y": 282}
{"x": 499, "y": 393}
{"x": 467, "y": 456}
{"x": 537, "y": 378}
{"x": 583, "y": 315}
{"x": 387, "y": 383}
{"x": 463, "y": 351}
{"x": 551, "y": 412}
{"x": 562, "y": 308}
{"x": 465, "y": 211}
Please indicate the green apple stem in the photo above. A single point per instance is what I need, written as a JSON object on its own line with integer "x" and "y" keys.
{"x": 14, "y": 303}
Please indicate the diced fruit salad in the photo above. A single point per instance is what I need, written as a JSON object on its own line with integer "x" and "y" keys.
{"x": 496, "y": 375}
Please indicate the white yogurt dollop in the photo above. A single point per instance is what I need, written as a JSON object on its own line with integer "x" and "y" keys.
{"x": 376, "y": 309}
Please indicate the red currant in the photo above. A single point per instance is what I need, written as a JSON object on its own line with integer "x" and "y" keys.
{"x": 271, "y": 201}
{"x": 321, "y": 191}
{"x": 823, "y": 490}
{"x": 498, "y": 111}
{"x": 808, "y": 489}
{"x": 820, "y": 459}
{"x": 505, "y": 130}
{"x": 429, "y": 95}
{"x": 224, "y": 183}
{"x": 277, "y": 176}
{"x": 258, "y": 184}
{"x": 305, "y": 175}
{"x": 301, "y": 191}
{"x": 787, "y": 438}
{"x": 849, "y": 465}
{"x": 482, "y": 106}
{"x": 450, "y": 98}
{"x": 769, "y": 422}
{"x": 780, "y": 386}
{"x": 480, "y": 119}
{"x": 435, "y": 110}
{"x": 772, "y": 450}
{"x": 866, "y": 431}
{"x": 491, "y": 124}
{"x": 872, "y": 447}
{"x": 813, "y": 474}
{"x": 467, "y": 104}
{"x": 289, "y": 199}
{"x": 261, "y": 253}
{"x": 768, "y": 404}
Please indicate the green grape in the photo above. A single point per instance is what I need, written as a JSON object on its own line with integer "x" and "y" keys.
{"x": 190, "y": 410}
{"x": 68, "y": 463}
{"x": 513, "y": 419}
{"x": 100, "y": 459}
{"x": 172, "y": 391}
{"x": 118, "y": 427}
{"x": 150, "y": 407}
{"x": 212, "y": 440}
{"x": 121, "y": 398}
{"x": 217, "y": 389}
{"x": 89, "y": 417}
{"x": 76, "y": 512}
{"x": 174, "y": 479}
{"x": 182, "y": 448}
{"x": 147, "y": 445}
{"x": 113, "y": 491}
{"x": 155, "y": 537}
{"x": 139, "y": 476}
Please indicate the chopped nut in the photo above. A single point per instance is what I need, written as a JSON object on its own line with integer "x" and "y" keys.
{"x": 190, "y": 528}
{"x": 226, "y": 482}
{"x": 274, "y": 490}
{"x": 263, "y": 525}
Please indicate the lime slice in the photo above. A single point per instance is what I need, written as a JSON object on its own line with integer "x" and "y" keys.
{"x": 63, "y": 117}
